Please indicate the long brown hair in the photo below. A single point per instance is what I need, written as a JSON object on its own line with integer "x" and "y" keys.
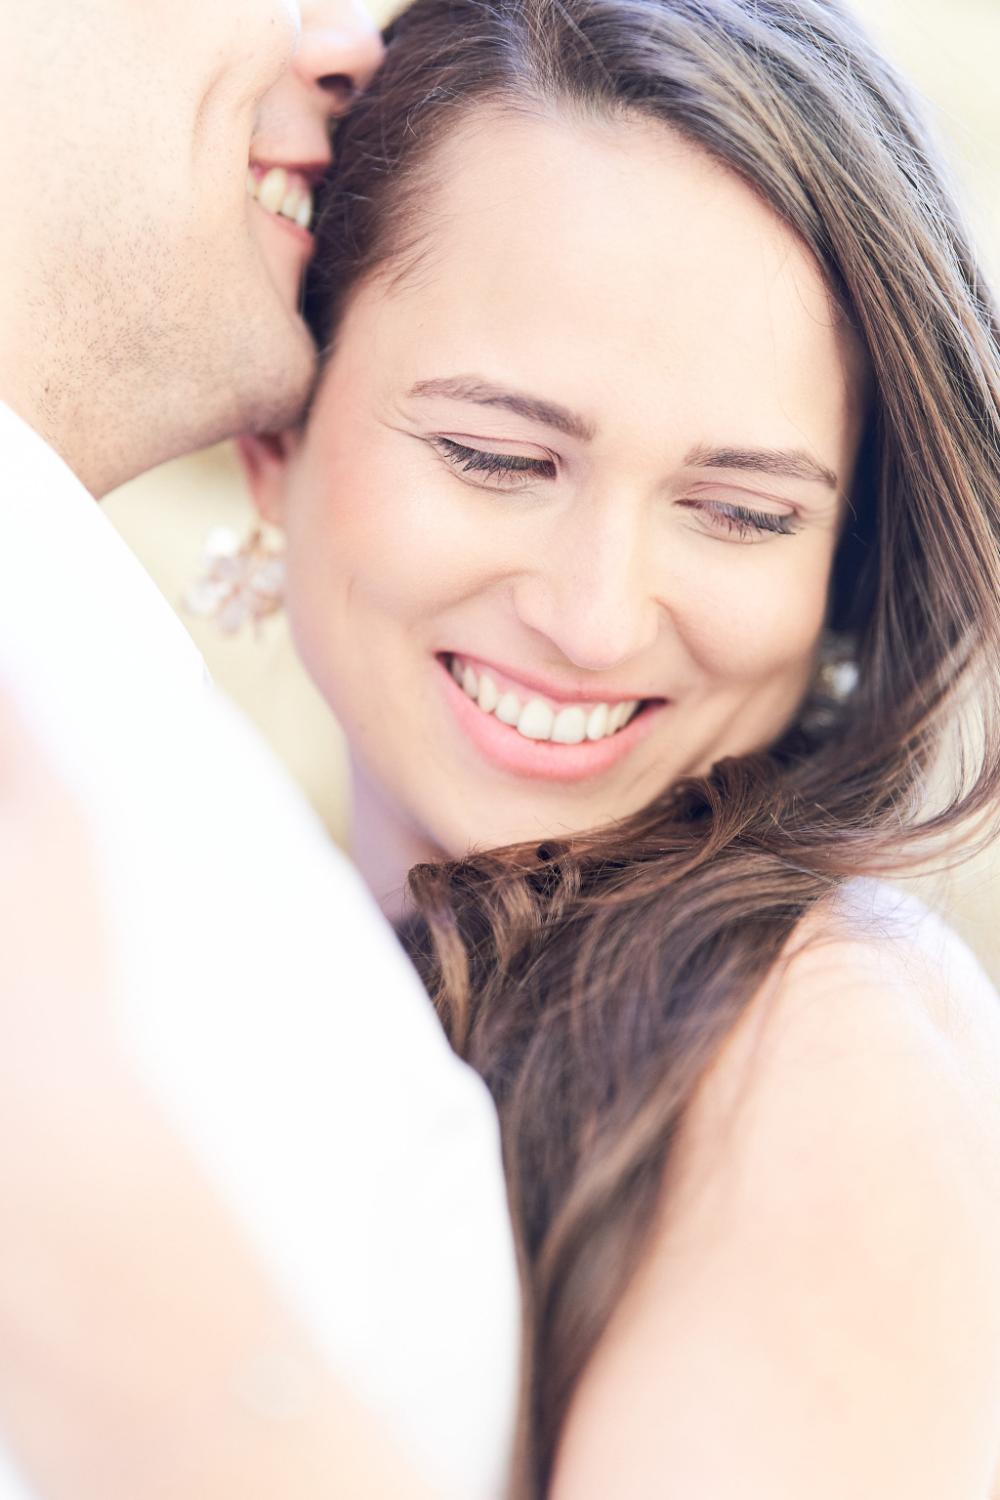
{"x": 592, "y": 982}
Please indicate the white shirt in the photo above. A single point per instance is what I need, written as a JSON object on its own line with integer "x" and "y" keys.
{"x": 264, "y": 997}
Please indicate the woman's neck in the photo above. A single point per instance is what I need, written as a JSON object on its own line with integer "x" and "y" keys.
{"x": 383, "y": 845}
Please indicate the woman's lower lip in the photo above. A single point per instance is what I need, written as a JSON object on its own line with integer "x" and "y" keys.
{"x": 540, "y": 760}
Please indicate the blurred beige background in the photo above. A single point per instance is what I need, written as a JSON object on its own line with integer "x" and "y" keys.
{"x": 951, "y": 52}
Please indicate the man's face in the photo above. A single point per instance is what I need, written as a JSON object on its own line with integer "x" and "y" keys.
{"x": 176, "y": 258}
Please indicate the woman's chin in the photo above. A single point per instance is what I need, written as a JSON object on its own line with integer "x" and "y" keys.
{"x": 488, "y": 835}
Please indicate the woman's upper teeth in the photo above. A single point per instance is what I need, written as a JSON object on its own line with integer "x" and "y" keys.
{"x": 283, "y": 192}
{"x": 536, "y": 719}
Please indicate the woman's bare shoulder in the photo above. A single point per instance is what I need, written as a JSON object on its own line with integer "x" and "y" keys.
{"x": 875, "y": 963}
{"x": 821, "y": 1282}
{"x": 877, "y": 1021}
{"x": 880, "y": 1011}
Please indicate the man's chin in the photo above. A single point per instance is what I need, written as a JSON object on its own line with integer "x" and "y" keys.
{"x": 276, "y": 380}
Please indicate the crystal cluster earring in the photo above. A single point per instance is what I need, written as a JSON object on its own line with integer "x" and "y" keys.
{"x": 242, "y": 581}
{"x": 834, "y": 684}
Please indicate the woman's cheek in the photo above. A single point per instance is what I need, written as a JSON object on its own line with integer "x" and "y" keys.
{"x": 391, "y": 551}
{"x": 419, "y": 548}
{"x": 752, "y": 616}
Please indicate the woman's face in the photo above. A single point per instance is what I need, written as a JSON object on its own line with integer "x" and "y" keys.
{"x": 589, "y": 457}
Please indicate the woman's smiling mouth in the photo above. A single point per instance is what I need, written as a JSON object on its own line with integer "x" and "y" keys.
{"x": 537, "y": 735}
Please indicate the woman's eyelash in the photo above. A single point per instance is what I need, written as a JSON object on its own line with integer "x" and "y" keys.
{"x": 742, "y": 521}
{"x": 737, "y": 520}
{"x": 499, "y": 465}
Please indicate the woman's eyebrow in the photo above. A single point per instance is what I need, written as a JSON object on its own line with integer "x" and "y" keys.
{"x": 484, "y": 393}
{"x": 785, "y": 464}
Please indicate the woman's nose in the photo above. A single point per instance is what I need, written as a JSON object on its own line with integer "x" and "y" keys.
{"x": 340, "y": 50}
{"x": 592, "y": 595}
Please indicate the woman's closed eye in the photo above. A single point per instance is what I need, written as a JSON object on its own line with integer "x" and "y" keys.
{"x": 740, "y": 522}
{"x": 507, "y": 469}
{"x": 512, "y": 471}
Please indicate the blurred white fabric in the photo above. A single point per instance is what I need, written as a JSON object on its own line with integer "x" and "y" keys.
{"x": 263, "y": 996}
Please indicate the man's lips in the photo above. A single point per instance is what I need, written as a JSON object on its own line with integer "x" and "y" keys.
{"x": 285, "y": 191}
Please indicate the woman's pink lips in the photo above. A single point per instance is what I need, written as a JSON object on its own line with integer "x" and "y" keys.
{"x": 541, "y": 760}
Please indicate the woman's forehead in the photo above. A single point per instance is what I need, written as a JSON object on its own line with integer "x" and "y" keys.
{"x": 617, "y": 258}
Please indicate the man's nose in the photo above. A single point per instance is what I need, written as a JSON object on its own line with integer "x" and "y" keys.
{"x": 340, "y": 50}
{"x": 593, "y": 596}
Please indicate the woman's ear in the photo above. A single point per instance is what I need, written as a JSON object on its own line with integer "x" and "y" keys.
{"x": 265, "y": 461}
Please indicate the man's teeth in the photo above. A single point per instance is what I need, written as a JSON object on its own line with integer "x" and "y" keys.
{"x": 284, "y": 194}
{"x": 537, "y": 720}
